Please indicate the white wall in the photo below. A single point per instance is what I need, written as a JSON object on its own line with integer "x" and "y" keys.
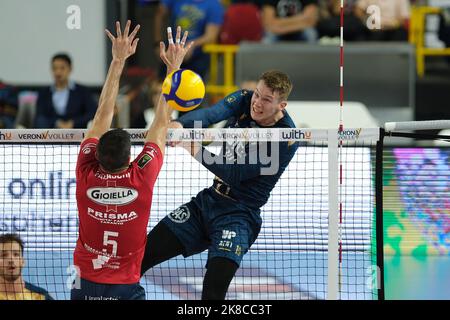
{"x": 31, "y": 31}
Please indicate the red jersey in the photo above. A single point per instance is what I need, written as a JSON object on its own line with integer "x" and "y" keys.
{"x": 113, "y": 211}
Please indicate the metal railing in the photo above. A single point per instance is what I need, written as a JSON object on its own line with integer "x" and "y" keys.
{"x": 417, "y": 37}
{"x": 227, "y": 85}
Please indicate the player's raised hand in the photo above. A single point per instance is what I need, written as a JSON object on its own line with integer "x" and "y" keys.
{"x": 174, "y": 125}
{"x": 176, "y": 51}
{"x": 124, "y": 45}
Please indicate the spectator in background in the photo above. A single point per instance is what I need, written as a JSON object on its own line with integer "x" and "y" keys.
{"x": 394, "y": 19}
{"x": 242, "y": 22}
{"x": 202, "y": 18}
{"x": 444, "y": 29}
{"x": 8, "y": 106}
{"x": 65, "y": 104}
{"x": 330, "y": 21}
{"x": 12, "y": 285}
{"x": 290, "y": 20}
{"x": 444, "y": 26}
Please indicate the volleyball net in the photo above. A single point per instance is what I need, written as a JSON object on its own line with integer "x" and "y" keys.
{"x": 320, "y": 238}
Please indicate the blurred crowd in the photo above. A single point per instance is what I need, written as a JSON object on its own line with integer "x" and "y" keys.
{"x": 67, "y": 104}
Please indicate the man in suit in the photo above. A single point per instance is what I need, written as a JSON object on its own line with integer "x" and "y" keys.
{"x": 65, "y": 104}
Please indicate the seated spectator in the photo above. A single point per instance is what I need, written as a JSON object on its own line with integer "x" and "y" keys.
{"x": 12, "y": 285}
{"x": 242, "y": 22}
{"x": 65, "y": 104}
{"x": 202, "y": 18}
{"x": 330, "y": 21}
{"x": 290, "y": 20}
{"x": 8, "y": 106}
{"x": 444, "y": 27}
{"x": 394, "y": 19}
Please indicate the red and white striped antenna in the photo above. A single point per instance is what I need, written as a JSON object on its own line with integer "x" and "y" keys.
{"x": 341, "y": 129}
{"x": 341, "y": 69}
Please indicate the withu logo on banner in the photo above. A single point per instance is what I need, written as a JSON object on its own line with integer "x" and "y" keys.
{"x": 5, "y": 135}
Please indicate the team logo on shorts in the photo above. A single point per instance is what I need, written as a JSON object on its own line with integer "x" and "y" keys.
{"x": 180, "y": 214}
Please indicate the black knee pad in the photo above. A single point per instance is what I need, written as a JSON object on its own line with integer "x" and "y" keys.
{"x": 218, "y": 277}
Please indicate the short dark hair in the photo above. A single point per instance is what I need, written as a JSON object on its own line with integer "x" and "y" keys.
{"x": 62, "y": 56}
{"x": 113, "y": 149}
{"x": 12, "y": 237}
{"x": 277, "y": 81}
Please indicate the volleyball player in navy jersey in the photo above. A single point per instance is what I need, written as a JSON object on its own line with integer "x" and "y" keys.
{"x": 225, "y": 218}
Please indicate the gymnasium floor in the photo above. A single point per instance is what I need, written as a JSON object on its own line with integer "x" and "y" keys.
{"x": 406, "y": 277}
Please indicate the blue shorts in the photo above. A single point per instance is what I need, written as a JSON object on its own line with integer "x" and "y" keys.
{"x": 100, "y": 291}
{"x": 210, "y": 221}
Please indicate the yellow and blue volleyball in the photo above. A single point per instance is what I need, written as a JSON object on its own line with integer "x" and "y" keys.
{"x": 183, "y": 90}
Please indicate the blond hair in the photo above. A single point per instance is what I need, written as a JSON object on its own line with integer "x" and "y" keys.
{"x": 278, "y": 82}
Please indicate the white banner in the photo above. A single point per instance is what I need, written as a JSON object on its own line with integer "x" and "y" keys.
{"x": 196, "y": 134}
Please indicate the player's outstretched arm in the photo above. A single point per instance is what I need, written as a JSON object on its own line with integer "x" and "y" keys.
{"x": 123, "y": 46}
{"x": 172, "y": 58}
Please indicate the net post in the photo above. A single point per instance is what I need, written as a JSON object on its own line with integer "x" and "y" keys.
{"x": 417, "y": 125}
{"x": 333, "y": 214}
{"x": 379, "y": 214}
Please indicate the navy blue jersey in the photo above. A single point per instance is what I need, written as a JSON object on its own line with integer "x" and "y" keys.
{"x": 244, "y": 180}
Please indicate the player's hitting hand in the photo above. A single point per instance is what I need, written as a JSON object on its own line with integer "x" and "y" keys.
{"x": 174, "y": 125}
{"x": 173, "y": 58}
{"x": 124, "y": 45}
{"x": 176, "y": 51}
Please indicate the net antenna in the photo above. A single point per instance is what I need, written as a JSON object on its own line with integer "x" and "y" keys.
{"x": 335, "y": 187}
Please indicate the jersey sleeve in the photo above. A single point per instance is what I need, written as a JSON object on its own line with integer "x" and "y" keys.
{"x": 233, "y": 172}
{"x": 149, "y": 162}
{"x": 231, "y": 105}
{"x": 86, "y": 155}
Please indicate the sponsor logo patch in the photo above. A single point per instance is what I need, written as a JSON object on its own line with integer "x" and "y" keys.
{"x": 226, "y": 244}
{"x": 87, "y": 148}
{"x": 231, "y": 99}
{"x": 142, "y": 162}
{"x": 112, "y": 218}
{"x": 112, "y": 196}
{"x": 180, "y": 214}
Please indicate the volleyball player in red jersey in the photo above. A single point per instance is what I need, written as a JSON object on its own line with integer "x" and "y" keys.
{"x": 113, "y": 195}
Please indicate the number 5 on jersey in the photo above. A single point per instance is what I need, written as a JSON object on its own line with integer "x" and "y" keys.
{"x": 102, "y": 259}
